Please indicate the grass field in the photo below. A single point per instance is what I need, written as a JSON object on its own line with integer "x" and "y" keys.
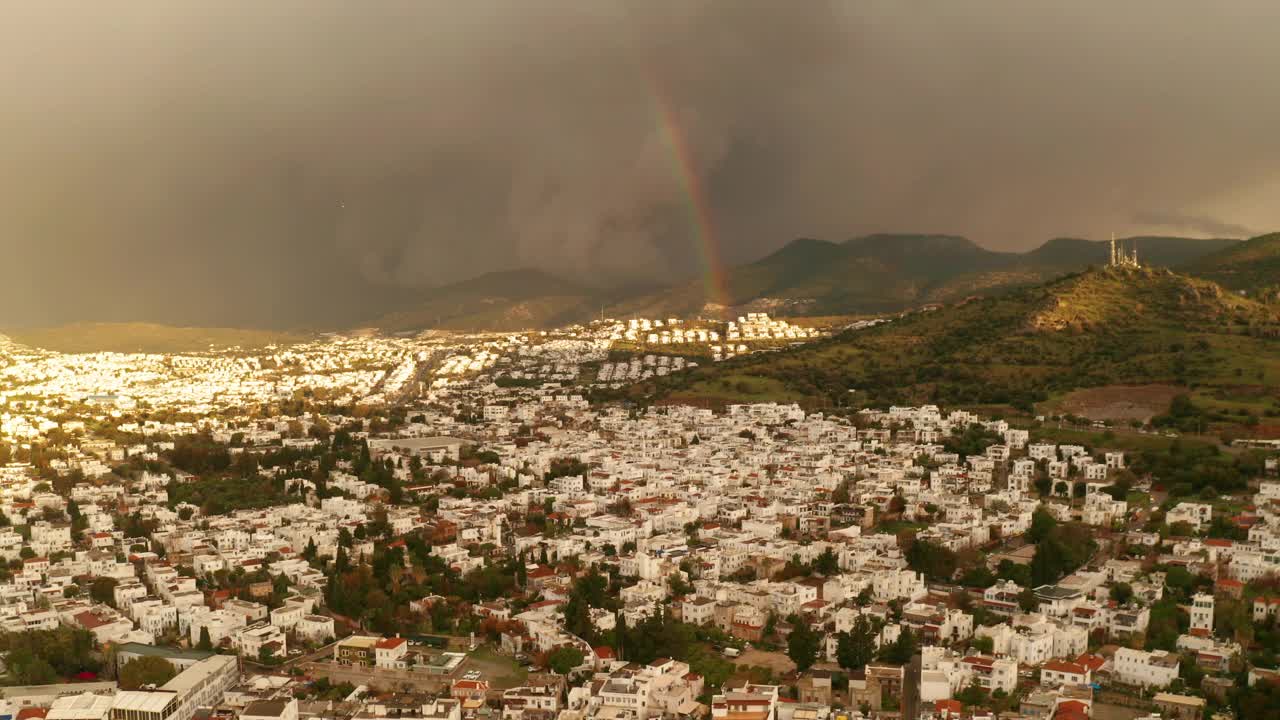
{"x": 501, "y": 671}
{"x": 1128, "y": 441}
{"x": 730, "y": 389}
{"x": 1137, "y": 499}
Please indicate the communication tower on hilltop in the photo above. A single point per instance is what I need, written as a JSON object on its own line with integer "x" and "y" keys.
{"x": 1121, "y": 257}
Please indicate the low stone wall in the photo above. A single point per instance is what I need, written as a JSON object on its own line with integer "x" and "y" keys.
{"x": 379, "y": 678}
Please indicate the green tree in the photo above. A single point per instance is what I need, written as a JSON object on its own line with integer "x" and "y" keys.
{"x": 1122, "y": 593}
{"x": 856, "y": 648}
{"x": 802, "y": 645}
{"x": 841, "y": 494}
{"x": 935, "y": 561}
{"x": 899, "y": 651}
{"x": 43, "y": 656}
{"x": 206, "y": 643}
{"x": 978, "y": 577}
{"x": 678, "y": 585}
{"x": 564, "y": 659}
{"x": 589, "y": 591}
{"x": 1166, "y": 623}
{"x": 78, "y": 522}
{"x": 28, "y": 668}
{"x": 972, "y": 696}
{"x": 1042, "y": 523}
{"x": 146, "y": 670}
{"x": 103, "y": 590}
{"x": 1179, "y": 580}
{"x": 1049, "y": 563}
{"x": 1043, "y": 485}
{"x": 827, "y": 564}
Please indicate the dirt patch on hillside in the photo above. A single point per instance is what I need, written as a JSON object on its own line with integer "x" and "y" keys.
{"x": 1120, "y": 402}
{"x": 778, "y": 663}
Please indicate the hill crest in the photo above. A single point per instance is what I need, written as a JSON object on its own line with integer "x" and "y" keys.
{"x": 1091, "y": 329}
{"x": 1111, "y": 297}
{"x": 1252, "y": 266}
{"x": 889, "y": 272}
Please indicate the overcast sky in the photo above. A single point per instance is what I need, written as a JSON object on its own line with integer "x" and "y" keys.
{"x": 298, "y": 162}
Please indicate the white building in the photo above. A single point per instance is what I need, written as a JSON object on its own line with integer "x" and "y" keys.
{"x": 1145, "y": 669}
{"x": 1202, "y": 614}
{"x": 315, "y": 629}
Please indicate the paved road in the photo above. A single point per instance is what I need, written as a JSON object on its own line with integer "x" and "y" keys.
{"x": 421, "y": 374}
{"x": 313, "y": 656}
{"x": 911, "y": 689}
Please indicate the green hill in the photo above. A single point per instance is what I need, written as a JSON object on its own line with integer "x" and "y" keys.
{"x": 1170, "y": 252}
{"x": 889, "y": 273}
{"x": 1098, "y": 328}
{"x": 498, "y": 301}
{"x": 146, "y": 337}
{"x": 1252, "y": 267}
{"x": 881, "y": 273}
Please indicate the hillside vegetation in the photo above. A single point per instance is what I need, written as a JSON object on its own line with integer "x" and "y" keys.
{"x": 1092, "y": 329}
{"x": 873, "y": 274}
{"x": 509, "y": 300}
{"x": 866, "y": 275}
{"x": 146, "y": 338}
{"x": 1252, "y": 267}
{"x": 890, "y": 273}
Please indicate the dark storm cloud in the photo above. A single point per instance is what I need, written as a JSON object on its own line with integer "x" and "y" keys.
{"x": 1196, "y": 224}
{"x": 309, "y": 161}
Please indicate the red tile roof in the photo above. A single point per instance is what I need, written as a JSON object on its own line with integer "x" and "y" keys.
{"x": 1093, "y": 662}
{"x": 1071, "y": 706}
{"x": 88, "y": 620}
{"x": 1065, "y": 667}
{"x": 948, "y": 706}
{"x": 470, "y": 684}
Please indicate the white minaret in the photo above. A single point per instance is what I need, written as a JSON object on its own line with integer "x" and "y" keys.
{"x": 1202, "y": 614}
{"x": 1114, "y": 257}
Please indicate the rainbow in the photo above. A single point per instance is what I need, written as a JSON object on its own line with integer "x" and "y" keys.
{"x": 686, "y": 172}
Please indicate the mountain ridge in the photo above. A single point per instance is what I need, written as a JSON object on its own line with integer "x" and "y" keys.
{"x": 890, "y": 272}
{"x": 1252, "y": 266}
{"x": 872, "y": 274}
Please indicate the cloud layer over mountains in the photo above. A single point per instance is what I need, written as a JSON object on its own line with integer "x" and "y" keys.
{"x": 310, "y": 161}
